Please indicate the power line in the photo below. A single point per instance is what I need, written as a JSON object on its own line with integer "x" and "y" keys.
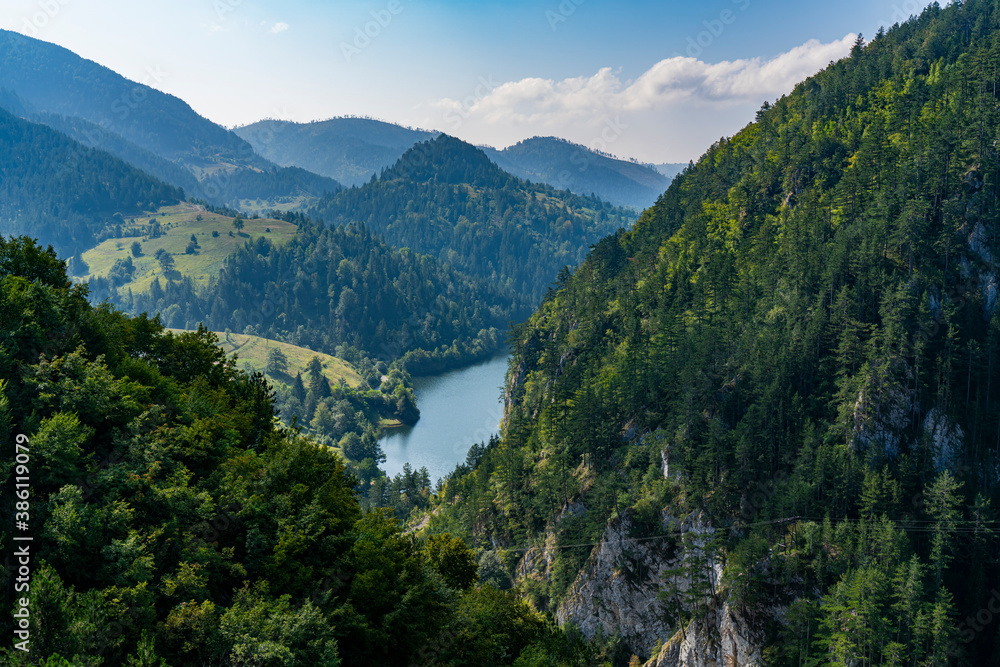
{"x": 978, "y": 527}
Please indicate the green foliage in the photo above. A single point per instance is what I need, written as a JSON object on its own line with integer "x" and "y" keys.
{"x": 63, "y": 192}
{"x": 58, "y": 447}
{"x": 456, "y": 205}
{"x": 803, "y": 330}
{"x": 453, "y": 560}
{"x": 174, "y": 522}
{"x": 277, "y": 362}
{"x": 329, "y": 288}
{"x": 493, "y": 628}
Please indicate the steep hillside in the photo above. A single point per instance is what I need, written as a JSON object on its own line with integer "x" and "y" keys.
{"x": 568, "y": 166}
{"x": 57, "y": 81}
{"x": 171, "y": 521}
{"x": 136, "y": 122}
{"x": 446, "y": 198}
{"x": 196, "y": 240}
{"x": 773, "y": 407}
{"x": 93, "y": 136}
{"x": 350, "y": 150}
{"x": 64, "y": 193}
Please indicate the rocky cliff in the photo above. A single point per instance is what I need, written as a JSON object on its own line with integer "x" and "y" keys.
{"x": 638, "y": 588}
{"x": 722, "y": 639}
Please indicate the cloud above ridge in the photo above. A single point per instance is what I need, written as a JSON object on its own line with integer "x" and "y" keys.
{"x": 580, "y": 108}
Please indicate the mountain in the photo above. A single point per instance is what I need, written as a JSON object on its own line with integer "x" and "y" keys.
{"x": 568, "y": 166}
{"x": 350, "y": 150}
{"x": 66, "y": 194}
{"x": 93, "y": 136}
{"x": 446, "y": 198}
{"x": 137, "y": 122}
{"x": 670, "y": 169}
{"x": 761, "y": 426}
{"x": 55, "y": 80}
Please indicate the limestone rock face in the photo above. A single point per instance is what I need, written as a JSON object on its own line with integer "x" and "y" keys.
{"x": 721, "y": 640}
{"x": 618, "y": 593}
{"x": 619, "y": 590}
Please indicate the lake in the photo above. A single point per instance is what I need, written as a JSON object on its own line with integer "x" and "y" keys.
{"x": 457, "y": 409}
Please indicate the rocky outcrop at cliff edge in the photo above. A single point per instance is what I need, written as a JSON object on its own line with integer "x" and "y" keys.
{"x": 619, "y": 591}
{"x": 719, "y": 640}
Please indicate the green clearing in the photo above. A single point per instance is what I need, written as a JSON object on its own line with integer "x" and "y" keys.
{"x": 177, "y": 224}
{"x": 252, "y": 352}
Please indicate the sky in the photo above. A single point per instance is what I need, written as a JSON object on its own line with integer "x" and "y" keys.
{"x": 658, "y": 81}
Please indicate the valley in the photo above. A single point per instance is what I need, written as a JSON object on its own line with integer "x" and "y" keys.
{"x": 353, "y": 392}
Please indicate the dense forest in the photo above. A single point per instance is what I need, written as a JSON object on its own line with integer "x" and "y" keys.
{"x": 800, "y": 344}
{"x": 445, "y": 198}
{"x": 93, "y": 136}
{"x": 341, "y": 287}
{"x": 174, "y": 524}
{"x": 63, "y": 192}
{"x": 781, "y": 377}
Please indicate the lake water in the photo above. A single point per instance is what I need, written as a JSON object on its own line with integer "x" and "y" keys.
{"x": 457, "y": 409}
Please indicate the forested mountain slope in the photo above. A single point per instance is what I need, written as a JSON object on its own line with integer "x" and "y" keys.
{"x": 137, "y": 123}
{"x": 445, "y": 198}
{"x": 173, "y": 523}
{"x": 342, "y": 286}
{"x": 63, "y": 193}
{"x": 789, "y": 372}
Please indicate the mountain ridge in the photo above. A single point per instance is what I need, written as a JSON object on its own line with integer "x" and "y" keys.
{"x": 447, "y": 198}
{"x": 65, "y": 193}
{"x": 128, "y": 119}
{"x": 352, "y": 150}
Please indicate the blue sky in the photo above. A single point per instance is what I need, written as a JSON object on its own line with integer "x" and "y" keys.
{"x": 658, "y": 81}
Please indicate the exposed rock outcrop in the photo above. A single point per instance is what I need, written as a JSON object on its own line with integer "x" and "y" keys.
{"x": 619, "y": 592}
{"x": 722, "y": 639}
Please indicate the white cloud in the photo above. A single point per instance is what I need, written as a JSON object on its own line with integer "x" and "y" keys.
{"x": 666, "y": 84}
{"x": 280, "y": 26}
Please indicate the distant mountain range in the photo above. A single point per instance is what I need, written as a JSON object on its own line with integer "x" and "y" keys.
{"x": 352, "y": 150}
{"x": 118, "y": 147}
{"x": 670, "y": 169}
{"x": 568, "y": 166}
{"x": 153, "y": 130}
{"x": 162, "y": 135}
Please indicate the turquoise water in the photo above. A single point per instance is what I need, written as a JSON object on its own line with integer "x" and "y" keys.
{"x": 457, "y": 409}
